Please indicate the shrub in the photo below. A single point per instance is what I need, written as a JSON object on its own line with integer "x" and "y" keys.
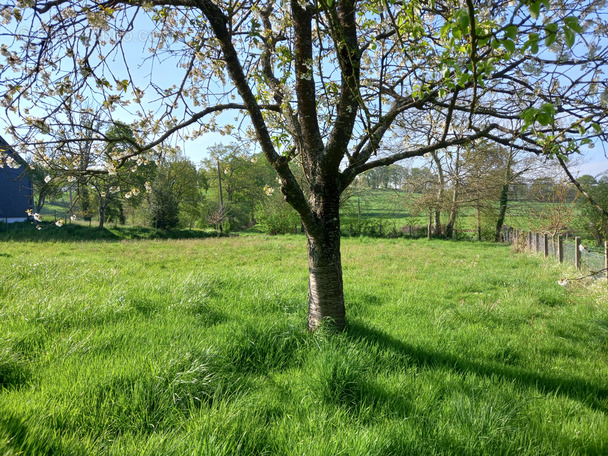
{"x": 276, "y": 215}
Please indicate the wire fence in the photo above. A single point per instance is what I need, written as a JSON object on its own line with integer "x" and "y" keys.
{"x": 589, "y": 259}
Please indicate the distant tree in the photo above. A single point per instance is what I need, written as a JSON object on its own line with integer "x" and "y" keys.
{"x": 594, "y": 222}
{"x": 187, "y": 185}
{"x": 164, "y": 206}
{"x": 243, "y": 178}
{"x": 46, "y": 185}
{"x": 557, "y": 212}
{"x": 124, "y": 182}
{"x": 276, "y": 215}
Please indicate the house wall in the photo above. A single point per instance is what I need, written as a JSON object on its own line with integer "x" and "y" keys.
{"x": 15, "y": 187}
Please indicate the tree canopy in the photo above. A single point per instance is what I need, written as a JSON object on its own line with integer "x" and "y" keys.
{"x": 321, "y": 84}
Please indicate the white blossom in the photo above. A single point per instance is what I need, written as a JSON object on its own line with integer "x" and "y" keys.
{"x": 562, "y": 282}
{"x": 59, "y": 223}
{"x": 47, "y": 179}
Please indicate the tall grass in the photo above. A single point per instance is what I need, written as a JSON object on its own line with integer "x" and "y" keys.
{"x": 200, "y": 347}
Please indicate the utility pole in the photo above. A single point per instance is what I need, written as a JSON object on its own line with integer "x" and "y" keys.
{"x": 219, "y": 180}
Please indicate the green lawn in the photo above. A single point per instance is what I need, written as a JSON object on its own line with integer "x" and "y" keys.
{"x": 199, "y": 347}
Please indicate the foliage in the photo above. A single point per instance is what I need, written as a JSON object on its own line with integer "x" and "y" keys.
{"x": 164, "y": 206}
{"x": 593, "y": 221}
{"x": 243, "y": 177}
{"x": 46, "y": 185}
{"x": 276, "y": 216}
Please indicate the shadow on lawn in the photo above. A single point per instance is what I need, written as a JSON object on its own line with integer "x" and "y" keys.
{"x": 75, "y": 232}
{"x": 589, "y": 393}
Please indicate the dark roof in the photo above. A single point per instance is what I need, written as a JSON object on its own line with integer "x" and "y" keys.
{"x": 15, "y": 186}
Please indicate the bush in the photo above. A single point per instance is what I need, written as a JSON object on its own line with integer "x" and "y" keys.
{"x": 276, "y": 215}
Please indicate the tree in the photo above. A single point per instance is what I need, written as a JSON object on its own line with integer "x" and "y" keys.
{"x": 179, "y": 175}
{"x": 321, "y": 84}
{"x": 243, "y": 178}
{"x": 110, "y": 189}
{"x": 593, "y": 220}
{"x": 164, "y": 206}
{"x": 45, "y": 185}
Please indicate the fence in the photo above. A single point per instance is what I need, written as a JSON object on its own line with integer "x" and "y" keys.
{"x": 562, "y": 247}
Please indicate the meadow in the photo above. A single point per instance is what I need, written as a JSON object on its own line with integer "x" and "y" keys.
{"x": 199, "y": 347}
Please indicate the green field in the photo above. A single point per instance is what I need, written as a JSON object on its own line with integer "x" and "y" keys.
{"x": 199, "y": 347}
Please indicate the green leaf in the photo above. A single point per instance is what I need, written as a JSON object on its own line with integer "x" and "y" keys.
{"x": 463, "y": 22}
{"x": 548, "y": 108}
{"x": 550, "y": 39}
{"x": 535, "y": 9}
{"x": 572, "y": 23}
{"x": 569, "y": 36}
{"x": 532, "y": 43}
{"x": 508, "y": 45}
{"x": 596, "y": 127}
{"x": 511, "y": 31}
{"x": 544, "y": 119}
{"x": 551, "y": 28}
{"x": 463, "y": 79}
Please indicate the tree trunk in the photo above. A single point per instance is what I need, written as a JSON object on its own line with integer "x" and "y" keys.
{"x": 440, "y": 192}
{"x": 102, "y": 214}
{"x": 449, "y": 229}
{"x": 325, "y": 286}
{"x": 504, "y": 198}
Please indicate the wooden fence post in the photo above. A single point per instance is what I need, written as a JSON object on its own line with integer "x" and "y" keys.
{"x": 577, "y": 252}
{"x": 560, "y": 248}
{"x": 546, "y": 245}
{"x": 537, "y": 242}
{"x": 529, "y": 240}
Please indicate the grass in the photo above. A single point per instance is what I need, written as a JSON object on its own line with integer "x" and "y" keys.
{"x": 173, "y": 347}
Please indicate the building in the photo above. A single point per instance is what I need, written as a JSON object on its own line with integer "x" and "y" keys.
{"x": 15, "y": 185}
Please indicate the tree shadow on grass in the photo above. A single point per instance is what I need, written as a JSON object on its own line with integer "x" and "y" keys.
{"x": 75, "y": 232}
{"x": 591, "y": 394}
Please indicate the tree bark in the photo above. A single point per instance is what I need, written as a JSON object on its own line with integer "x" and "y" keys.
{"x": 325, "y": 285}
{"x": 449, "y": 229}
{"x": 440, "y": 191}
{"x": 504, "y": 198}
{"x": 102, "y": 215}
